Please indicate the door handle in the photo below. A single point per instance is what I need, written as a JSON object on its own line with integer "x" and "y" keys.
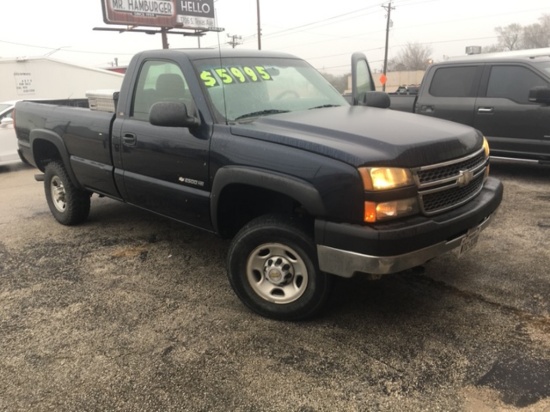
{"x": 129, "y": 139}
{"x": 427, "y": 109}
{"x": 485, "y": 110}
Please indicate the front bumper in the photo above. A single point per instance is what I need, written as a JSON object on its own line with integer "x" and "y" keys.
{"x": 345, "y": 249}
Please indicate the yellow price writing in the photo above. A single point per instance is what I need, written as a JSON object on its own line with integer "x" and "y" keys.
{"x": 251, "y": 73}
{"x": 208, "y": 78}
{"x": 224, "y": 76}
{"x": 263, "y": 73}
{"x": 229, "y": 75}
{"x": 238, "y": 74}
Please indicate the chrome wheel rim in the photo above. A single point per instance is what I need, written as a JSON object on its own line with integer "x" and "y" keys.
{"x": 277, "y": 273}
{"x": 59, "y": 195}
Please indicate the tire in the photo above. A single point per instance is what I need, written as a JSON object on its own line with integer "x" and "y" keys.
{"x": 68, "y": 204}
{"x": 272, "y": 267}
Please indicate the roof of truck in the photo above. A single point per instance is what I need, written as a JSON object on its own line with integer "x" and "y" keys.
{"x": 223, "y": 53}
{"x": 511, "y": 56}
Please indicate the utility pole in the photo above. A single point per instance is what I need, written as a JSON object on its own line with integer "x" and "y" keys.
{"x": 259, "y": 25}
{"x": 235, "y": 40}
{"x": 388, "y": 8}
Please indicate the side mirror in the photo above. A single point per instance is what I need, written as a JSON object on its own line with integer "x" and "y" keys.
{"x": 378, "y": 99}
{"x": 171, "y": 114}
{"x": 540, "y": 94}
{"x": 361, "y": 79}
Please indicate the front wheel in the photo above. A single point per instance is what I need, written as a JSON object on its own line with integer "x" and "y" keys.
{"x": 272, "y": 267}
{"x": 68, "y": 204}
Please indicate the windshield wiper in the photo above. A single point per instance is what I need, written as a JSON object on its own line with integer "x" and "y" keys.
{"x": 325, "y": 105}
{"x": 262, "y": 113}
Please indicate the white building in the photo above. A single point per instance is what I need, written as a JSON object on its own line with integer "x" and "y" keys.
{"x": 46, "y": 78}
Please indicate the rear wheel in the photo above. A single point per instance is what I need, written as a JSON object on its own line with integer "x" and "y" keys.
{"x": 68, "y": 204}
{"x": 272, "y": 267}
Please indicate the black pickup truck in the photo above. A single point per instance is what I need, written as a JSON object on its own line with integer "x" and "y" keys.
{"x": 260, "y": 148}
{"x": 505, "y": 96}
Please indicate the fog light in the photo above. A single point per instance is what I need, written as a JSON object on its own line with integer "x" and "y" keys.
{"x": 390, "y": 210}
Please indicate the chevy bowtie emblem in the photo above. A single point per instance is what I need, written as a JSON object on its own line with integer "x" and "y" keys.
{"x": 464, "y": 177}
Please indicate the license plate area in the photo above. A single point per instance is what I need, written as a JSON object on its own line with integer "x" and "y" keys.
{"x": 469, "y": 241}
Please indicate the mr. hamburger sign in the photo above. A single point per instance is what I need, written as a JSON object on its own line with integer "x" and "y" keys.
{"x": 189, "y": 14}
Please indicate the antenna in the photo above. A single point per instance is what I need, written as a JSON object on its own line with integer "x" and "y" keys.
{"x": 221, "y": 65}
{"x": 259, "y": 25}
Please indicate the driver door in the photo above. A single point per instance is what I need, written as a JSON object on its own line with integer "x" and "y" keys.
{"x": 165, "y": 169}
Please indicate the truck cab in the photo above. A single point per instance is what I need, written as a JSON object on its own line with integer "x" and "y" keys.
{"x": 504, "y": 95}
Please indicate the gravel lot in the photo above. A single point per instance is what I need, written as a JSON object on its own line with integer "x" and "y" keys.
{"x": 133, "y": 312}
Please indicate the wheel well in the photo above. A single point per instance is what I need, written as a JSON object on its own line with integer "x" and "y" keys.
{"x": 238, "y": 204}
{"x": 44, "y": 152}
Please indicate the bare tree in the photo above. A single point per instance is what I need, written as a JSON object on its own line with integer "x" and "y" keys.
{"x": 537, "y": 35}
{"x": 395, "y": 65}
{"x": 510, "y": 37}
{"x": 493, "y": 48}
{"x": 414, "y": 56}
{"x": 517, "y": 37}
{"x": 340, "y": 83}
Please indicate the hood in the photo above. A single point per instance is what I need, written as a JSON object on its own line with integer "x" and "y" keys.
{"x": 363, "y": 136}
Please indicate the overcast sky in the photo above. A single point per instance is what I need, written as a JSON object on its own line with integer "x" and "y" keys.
{"x": 323, "y": 32}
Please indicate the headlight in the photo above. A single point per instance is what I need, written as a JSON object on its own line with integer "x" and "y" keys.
{"x": 385, "y": 178}
{"x": 377, "y": 179}
{"x": 375, "y": 212}
{"x": 486, "y": 147}
{"x": 487, "y": 153}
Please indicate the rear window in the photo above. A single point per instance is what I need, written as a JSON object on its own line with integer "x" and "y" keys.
{"x": 454, "y": 82}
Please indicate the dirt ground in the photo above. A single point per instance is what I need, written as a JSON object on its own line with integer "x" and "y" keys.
{"x": 132, "y": 312}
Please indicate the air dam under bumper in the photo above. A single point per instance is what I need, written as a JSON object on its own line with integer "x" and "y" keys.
{"x": 345, "y": 249}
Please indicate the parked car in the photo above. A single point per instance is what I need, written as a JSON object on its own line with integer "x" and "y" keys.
{"x": 506, "y": 96}
{"x": 8, "y": 139}
{"x": 411, "y": 89}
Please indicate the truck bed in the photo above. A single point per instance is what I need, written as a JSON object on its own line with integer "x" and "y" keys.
{"x": 80, "y": 131}
{"x": 402, "y": 102}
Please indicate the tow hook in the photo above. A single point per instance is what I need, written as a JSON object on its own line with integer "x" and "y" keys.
{"x": 39, "y": 177}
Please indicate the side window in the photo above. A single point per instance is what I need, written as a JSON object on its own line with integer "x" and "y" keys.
{"x": 159, "y": 81}
{"x": 513, "y": 82}
{"x": 454, "y": 82}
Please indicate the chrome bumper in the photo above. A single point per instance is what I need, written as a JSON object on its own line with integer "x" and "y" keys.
{"x": 346, "y": 264}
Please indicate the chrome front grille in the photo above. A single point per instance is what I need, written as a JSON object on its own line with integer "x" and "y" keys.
{"x": 447, "y": 185}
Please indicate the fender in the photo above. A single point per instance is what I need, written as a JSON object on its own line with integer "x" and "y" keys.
{"x": 57, "y": 141}
{"x": 293, "y": 187}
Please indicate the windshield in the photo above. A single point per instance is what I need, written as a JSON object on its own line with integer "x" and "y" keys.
{"x": 245, "y": 88}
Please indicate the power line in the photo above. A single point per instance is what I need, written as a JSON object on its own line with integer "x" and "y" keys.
{"x": 334, "y": 19}
{"x": 64, "y": 49}
{"x": 235, "y": 40}
{"x": 286, "y": 31}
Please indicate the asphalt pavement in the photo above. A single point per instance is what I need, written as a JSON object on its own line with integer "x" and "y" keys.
{"x": 132, "y": 312}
